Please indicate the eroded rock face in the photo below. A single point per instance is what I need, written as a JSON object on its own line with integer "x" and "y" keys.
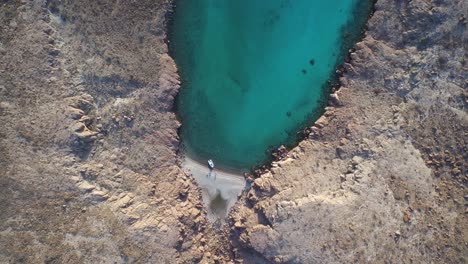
{"x": 383, "y": 174}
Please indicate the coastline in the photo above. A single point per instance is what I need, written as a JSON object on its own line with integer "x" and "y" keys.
{"x": 375, "y": 179}
{"x": 372, "y": 153}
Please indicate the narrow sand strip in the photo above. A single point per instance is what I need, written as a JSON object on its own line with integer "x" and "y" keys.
{"x": 220, "y": 188}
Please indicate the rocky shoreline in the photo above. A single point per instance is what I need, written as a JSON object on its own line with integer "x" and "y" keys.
{"x": 88, "y": 150}
{"x": 360, "y": 189}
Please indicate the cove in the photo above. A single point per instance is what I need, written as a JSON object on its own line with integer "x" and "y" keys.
{"x": 255, "y": 72}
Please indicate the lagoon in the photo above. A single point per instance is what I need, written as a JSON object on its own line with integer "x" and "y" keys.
{"x": 255, "y": 72}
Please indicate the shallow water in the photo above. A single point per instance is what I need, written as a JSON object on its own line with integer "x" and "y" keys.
{"x": 255, "y": 72}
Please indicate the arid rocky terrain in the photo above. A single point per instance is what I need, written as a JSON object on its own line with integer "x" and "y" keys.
{"x": 88, "y": 157}
{"x": 89, "y": 164}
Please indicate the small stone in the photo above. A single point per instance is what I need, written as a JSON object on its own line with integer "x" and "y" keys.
{"x": 100, "y": 194}
{"x": 238, "y": 224}
{"x": 78, "y": 127}
{"x": 75, "y": 178}
{"x": 194, "y": 212}
{"x": 356, "y": 160}
{"x": 164, "y": 228}
{"x": 342, "y": 178}
{"x": 406, "y": 217}
{"x": 86, "y": 186}
{"x": 124, "y": 202}
{"x": 86, "y": 135}
{"x": 335, "y": 100}
{"x": 75, "y": 113}
{"x": 85, "y": 120}
{"x": 343, "y": 141}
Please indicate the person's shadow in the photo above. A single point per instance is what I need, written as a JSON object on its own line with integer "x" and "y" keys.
{"x": 211, "y": 175}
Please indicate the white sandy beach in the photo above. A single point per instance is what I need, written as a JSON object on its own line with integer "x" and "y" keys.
{"x": 220, "y": 188}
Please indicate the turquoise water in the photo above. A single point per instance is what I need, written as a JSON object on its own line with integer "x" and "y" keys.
{"x": 255, "y": 72}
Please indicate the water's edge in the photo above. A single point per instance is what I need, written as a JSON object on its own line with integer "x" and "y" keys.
{"x": 187, "y": 163}
{"x": 330, "y": 86}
